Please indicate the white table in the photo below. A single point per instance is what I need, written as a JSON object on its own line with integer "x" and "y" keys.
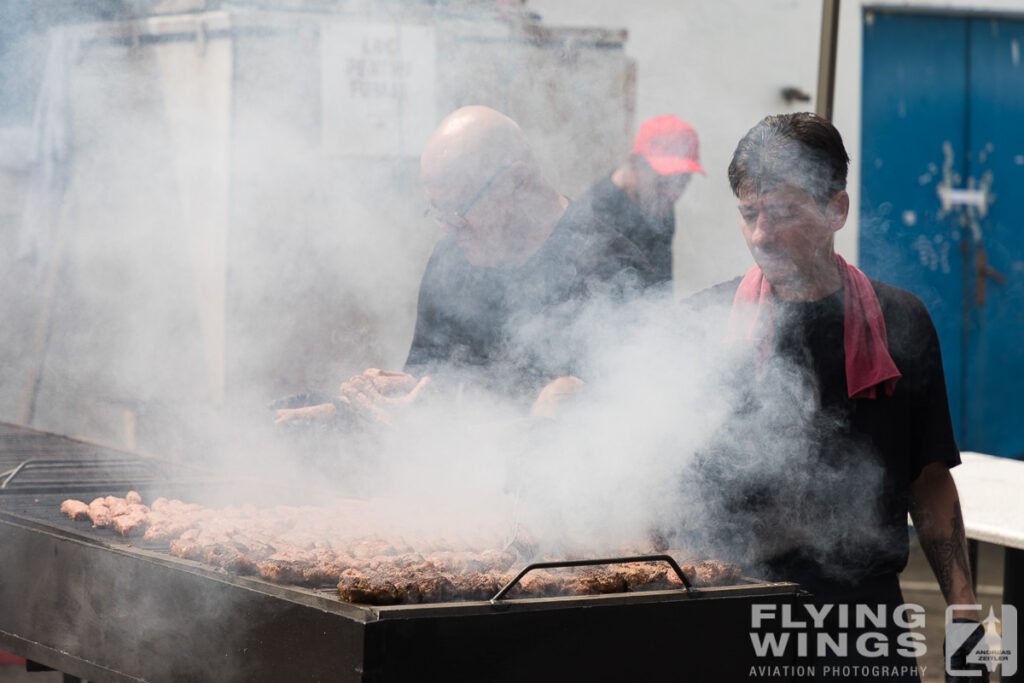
{"x": 992, "y": 499}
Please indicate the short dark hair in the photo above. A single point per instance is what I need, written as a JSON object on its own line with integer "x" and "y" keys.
{"x": 802, "y": 149}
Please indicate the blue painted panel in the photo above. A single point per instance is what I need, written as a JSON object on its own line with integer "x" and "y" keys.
{"x": 995, "y": 360}
{"x": 913, "y": 130}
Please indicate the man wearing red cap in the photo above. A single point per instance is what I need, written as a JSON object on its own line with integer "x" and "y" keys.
{"x": 638, "y": 198}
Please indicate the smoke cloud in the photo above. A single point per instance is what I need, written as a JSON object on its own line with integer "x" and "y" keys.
{"x": 224, "y": 237}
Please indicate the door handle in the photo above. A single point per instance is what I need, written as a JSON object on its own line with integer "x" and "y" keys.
{"x": 983, "y": 273}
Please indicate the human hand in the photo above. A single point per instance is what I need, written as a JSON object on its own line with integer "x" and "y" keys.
{"x": 380, "y": 393}
{"x": 554, "y": 395}
{"x": 317, "y": 412}
{"x": 377, "y": 381}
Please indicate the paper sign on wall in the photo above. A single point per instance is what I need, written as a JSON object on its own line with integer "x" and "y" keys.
{"x": 378, "y": 88}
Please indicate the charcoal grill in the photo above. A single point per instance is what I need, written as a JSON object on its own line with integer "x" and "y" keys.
{"x": 103, "y": 608}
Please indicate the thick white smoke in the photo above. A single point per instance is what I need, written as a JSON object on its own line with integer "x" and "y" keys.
{"x": 210, "y": 255}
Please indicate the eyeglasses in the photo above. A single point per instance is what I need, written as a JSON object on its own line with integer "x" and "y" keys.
{"x": 457, "y": 217}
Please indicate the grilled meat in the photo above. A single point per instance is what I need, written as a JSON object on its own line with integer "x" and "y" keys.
{"x": 286, "y": 566}
{"x": 132, "y": 522}
{"x": 346, "y": 546}
{"x": 479, "y": 585}
{"x": 374, "y": 589}
{"x": 716, "y": 573}
{"x": 640, "y": 575}
{"x": 230, "y": 556}
{"x": 99, "y": 513}
{"x": 75, "y": 509}
{"x": 539, "y": 583}
{"x": 600, "y": 580}
{"x": 186, "y": 546}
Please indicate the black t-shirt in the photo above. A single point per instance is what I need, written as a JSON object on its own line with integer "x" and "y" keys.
{"x": 801, "y": 460}
{"x": 652, "y": 234}
{"x": 514, "y": 328}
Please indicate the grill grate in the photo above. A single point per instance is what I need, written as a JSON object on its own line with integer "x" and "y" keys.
{"x": 32, "y": 460}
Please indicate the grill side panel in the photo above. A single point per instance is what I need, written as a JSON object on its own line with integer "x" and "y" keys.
{"x": 117, "y": 613}
{"x": 704, "y": 639}
{"x": 111, "y": 616}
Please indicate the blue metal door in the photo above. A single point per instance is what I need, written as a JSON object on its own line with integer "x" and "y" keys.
{"x": 942, "y": 160}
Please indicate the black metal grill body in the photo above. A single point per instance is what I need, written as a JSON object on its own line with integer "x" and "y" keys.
{"x": 103, "y": 608}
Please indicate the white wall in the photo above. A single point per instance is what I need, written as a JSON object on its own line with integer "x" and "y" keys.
{"x": 224, "y": 240}
{"x": 721, "y": 65}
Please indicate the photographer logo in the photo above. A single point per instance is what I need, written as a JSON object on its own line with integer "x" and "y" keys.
{"x": 997, "y": 648}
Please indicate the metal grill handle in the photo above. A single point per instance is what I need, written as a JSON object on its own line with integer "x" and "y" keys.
{"x": 599, "y": 561}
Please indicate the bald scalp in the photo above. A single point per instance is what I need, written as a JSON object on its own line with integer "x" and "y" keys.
{"x": 471, "y": 144}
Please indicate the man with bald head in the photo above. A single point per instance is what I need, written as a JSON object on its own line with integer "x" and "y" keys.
{"x": 484, "y": 188}
{"x": 502, "y": 289}
{"x": 505, "y": 285}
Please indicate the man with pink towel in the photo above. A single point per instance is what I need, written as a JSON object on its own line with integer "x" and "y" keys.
{"x": 843, "y": 426}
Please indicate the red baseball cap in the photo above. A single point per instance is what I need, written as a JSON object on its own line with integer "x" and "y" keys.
{"x": 669, "y": 145}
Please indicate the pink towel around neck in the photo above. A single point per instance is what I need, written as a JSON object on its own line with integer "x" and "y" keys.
{"x": 866, "y": 346}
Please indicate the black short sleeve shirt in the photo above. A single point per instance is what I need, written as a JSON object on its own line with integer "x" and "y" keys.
{"x": 818, "y": 481}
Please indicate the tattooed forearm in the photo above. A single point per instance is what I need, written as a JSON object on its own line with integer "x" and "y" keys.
{"x": 948, "y": 555}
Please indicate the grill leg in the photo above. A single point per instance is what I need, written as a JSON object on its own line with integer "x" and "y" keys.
{"x": 972, "y": 560}
{"x": 36, "y": 666}
{"x": 1013, "y": 594}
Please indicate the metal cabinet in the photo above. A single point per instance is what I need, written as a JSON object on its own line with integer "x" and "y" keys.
{"x": 943, "y": 161}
